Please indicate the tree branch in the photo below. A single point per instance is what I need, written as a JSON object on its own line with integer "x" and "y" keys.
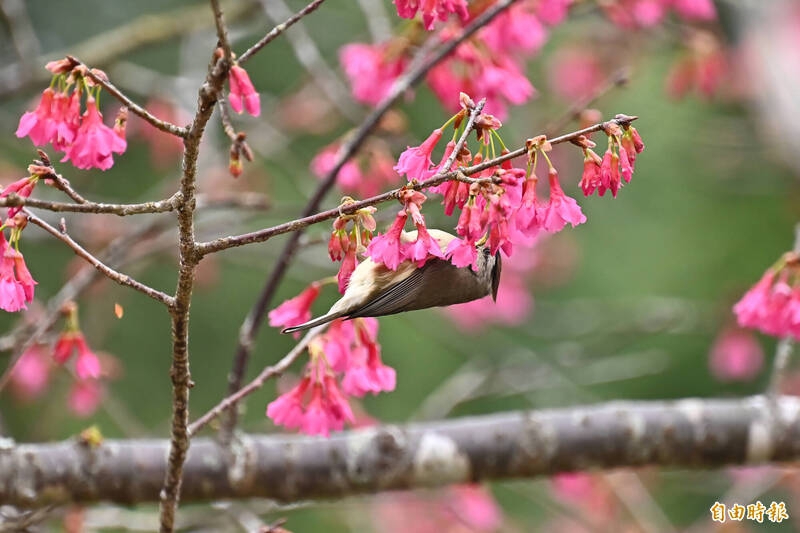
{"x": 135, "y": 108}
{"x": 224, "y": 243}
{"x": 122, "y": 279}
{"x": 160, "y": 206}
{"x": 691, "y": 433}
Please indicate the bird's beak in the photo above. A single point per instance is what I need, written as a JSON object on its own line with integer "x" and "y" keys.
{"x": 498, "y": 266}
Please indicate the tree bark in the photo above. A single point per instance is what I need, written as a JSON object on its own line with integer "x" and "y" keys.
{"x": 692, "y": 433}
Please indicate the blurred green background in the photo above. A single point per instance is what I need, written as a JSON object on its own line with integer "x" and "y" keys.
{"x": 627, "y": 306}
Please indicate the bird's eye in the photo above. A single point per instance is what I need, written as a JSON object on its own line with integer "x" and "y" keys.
{"x": 487, "y": 252}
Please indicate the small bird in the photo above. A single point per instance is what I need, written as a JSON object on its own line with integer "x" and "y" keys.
{"x": 374, "y": 290}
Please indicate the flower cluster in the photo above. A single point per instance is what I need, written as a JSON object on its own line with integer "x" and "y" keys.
{"x": 395, "y": 246}
{"x": 243, "y": 95}
{"x": 606, "y": 173}
{"x": 345, "y": 244}
{"x": 83, "y": 138}
{"x": 344, "y": 361}
{"x": 772, "y": 305}
{"x": 16, "y": 283}
{"x": 491, "y": 63}
{"x": 295, "y": 311}
{"x": 431, "y": 10}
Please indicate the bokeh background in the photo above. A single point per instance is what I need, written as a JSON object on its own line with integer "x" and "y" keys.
{"x": 626, "y": 306}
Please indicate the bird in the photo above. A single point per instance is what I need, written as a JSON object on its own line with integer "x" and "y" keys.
{"x": 375, "y": 290}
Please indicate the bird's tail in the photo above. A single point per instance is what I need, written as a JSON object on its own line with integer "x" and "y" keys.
{"x": 324, "y": 319}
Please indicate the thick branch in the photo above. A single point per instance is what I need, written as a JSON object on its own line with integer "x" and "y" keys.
{"x": 160, "y": 206}
{"x": 295, "y": 225}
{"x": 691, "y": 433}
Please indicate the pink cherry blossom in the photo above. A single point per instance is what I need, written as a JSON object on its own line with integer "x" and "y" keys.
{"x": 87, "y": 364}
{"x": 701, "y": 10}
{"x": 475, "y": 506}
{"x": 473, "y": 70}
{"x": 415, "y": 162}
{"x": 772, "y": 306}
{"x": 94, "y": 141}
{"x": 85, "y": 397}
{"x": 16, "y": 283}
{"x": 371, "y": 70}
{"x": 295, "y": 311}
{"x": 560, "y": 208}
{"x": 462, "y": 252}
{"x": 388, "y": 248}
{"x": 22, "y": 188}
{"x": 591, "y": 177}
{"x": 243, "y": 95}
{"x": 287, "y": 409}
{"x": 31, "y": 373}
{"x": 515, "y": 30}
{"x": 39, "y": 124}
{"x": 736, "y": 355}
{"x": 432, "y": 10}
{"x": 66, "y": 118}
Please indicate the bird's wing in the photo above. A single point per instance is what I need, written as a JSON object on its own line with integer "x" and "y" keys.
{"x": 399, "y": 297}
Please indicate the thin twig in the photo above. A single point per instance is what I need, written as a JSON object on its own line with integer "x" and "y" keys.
{"x": 160, "y": 206}
{"x": 271, "y": 371}
{"x": 277, "y": 30}
{"x": 222, "y": 29}
{"x": 135, "y": 108}
{"x": 80, "y": 251}
{"x": 417, "y": 71}
{"x": 350, "y": 208}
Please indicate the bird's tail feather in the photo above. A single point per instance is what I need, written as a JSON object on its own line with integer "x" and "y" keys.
{"x": 324, "y": 319}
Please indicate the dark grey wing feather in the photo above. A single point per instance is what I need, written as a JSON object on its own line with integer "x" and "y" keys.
{"x": 399, "y": 297}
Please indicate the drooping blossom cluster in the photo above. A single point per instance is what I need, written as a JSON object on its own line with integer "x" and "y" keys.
{"x": 431, "y": 10}
{"x": 243, "y": 95}
{"x": 772, "y": 305}
{"x": 367, "y": 174}
{"x": 392, "y": 248}
{"x": 83, "y": 137}
{"x": 491, "y": 63}
{"x": 617, "y": 164}
{"x": 86, "y": 392}
{"x": 16, "y": 283}
{"x": 346, "y": 244}
{"x": 344, "y": 361}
